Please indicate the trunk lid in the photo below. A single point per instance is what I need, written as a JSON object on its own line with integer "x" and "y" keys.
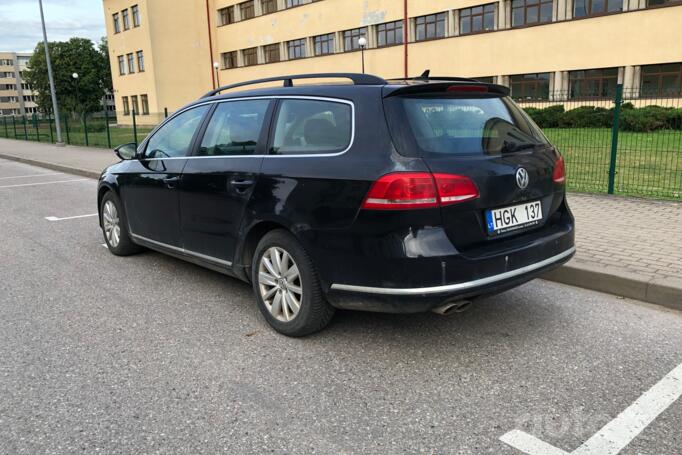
{"x": 484, "y": 136}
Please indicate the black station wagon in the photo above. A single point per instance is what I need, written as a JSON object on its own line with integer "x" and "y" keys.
{"x": 396, "y": 196}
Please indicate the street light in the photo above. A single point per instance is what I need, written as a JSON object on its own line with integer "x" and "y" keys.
{"x": 216, "y": 65}
{"x": 53, "y": 91}
{"x": 78, "y": 98}
{"x": 362, "y": 42}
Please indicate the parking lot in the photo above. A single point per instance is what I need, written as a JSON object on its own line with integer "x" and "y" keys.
{"x": 149, "y": 354}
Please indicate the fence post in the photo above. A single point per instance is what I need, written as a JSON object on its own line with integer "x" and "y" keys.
{"x": 66, "y": 127}
{"x": 4, "y": 121}
{"x": 49, "y": 123}
{"x": 35, "y": 126}
{"x": 106, "y": 122}
{"x": 614, "y": 136}
{"x": 14, "y": 124}
{"x": 25, "y": 128}
{"x": 165, "y": 112}
{"x": 134, "y": 128}
{"x": 85, "y": 129}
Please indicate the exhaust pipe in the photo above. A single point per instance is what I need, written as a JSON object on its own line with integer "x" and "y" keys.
{"x": 452, "y": 306}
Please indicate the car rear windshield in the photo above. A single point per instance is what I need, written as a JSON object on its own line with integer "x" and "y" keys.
{"x": 440, "y": 125}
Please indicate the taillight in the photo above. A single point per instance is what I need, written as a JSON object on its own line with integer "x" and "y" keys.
{"x": 455, "y": 188}
{"x": 559, "y": 174}
{"x": 418, "y": 190}
{"x": 468, "y": 88}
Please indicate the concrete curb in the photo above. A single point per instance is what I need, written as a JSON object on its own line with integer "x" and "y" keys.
{"x": 664, "y": 291}
{"x": 53, "y": 166}
{"x": 612, "y": 280}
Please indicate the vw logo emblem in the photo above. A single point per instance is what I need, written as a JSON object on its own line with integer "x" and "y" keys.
{"x": 522, "y": 178}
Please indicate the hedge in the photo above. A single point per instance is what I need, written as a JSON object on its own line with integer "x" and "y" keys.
{"x": 644, "y": 119}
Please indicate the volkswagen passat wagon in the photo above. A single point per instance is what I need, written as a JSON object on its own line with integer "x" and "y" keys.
{"x": 395, "y": 196}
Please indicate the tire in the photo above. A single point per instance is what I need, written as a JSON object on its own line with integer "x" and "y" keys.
{"x": 313, "y": 313}
{"x": 115, "y": 231}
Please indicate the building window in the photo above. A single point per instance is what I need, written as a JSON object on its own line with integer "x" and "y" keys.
{"x": 229, "y": 59}
{"x": 485, "y": 79}
{"x": 117, "y": 23}
{"x": 661, "y": 80}
{"x": 121, "y": 65}
{"x": 430, "y": 27}
{"x": 527, "y": 12}
{"x": 533, "y": 86}
{"x": 226, "y": 15}
{"x": 351, "y": 37}
{"x": 250, "y": 56}
{"x": 598, "y": 83}
{"x": 271, "y": 53}
{"x": 140, "y": 61}
{"x": 296, "y": 49}
{"x": 131, "y": 63}
{"x": 582, "y": 8}
{"x": 126, "y": 106}
{"x": 292, "y": 3}
{"x": 390, "y": 33}
{"x": 133, "y": 102}
{"x": 126, "y": 19}
{"x": 145, "y": 104}
{"x": 247, "y": 10}
{"x": 268, "y": 6}
{"x": 477, "y": 19}
{"x": 324, "y": 44}
{"x": 136, "y": 15}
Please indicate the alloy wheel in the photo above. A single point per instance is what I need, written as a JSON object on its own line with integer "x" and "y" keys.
{"x": 110, "y": 220}
{"x": 279, "y": 281}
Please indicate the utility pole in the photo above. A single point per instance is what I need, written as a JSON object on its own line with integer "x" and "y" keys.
{"x": 53, "y": 92}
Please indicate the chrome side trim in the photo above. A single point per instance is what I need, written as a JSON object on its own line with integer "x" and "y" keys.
{"x": 183, "y": 251}
{"x": 456, "y": 286}
{"x": 264, "y": 97}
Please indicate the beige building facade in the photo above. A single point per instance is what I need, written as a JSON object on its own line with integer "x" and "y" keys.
{"x": 542, "y": 49}
{"x": 16, "y": 97}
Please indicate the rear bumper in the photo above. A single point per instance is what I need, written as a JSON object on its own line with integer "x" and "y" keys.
{"x": 419, "y": 299}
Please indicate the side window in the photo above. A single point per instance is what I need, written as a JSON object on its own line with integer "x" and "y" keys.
{"x": 234, "y": 128}
{"x": 306, "y": 127}
{"x": 175, "y": 137}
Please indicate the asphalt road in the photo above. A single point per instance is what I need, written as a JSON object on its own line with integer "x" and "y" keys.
{"x": 148, "y": 354}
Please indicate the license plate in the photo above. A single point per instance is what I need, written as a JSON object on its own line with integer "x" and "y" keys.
{"x": 509, "y": 219}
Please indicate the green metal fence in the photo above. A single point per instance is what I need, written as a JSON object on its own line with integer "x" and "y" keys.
{"x": 627, "y": 143}
{"x": 618, "y": 142}
{"x": 96, "y": 129}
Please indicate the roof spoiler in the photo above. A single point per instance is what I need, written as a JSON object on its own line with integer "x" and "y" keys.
{"x": 288, "y": 81}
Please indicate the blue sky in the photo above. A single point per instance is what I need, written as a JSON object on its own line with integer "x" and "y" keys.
{"x": 20, "y": 22}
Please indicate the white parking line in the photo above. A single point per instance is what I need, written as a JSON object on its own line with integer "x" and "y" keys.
{"x": 54, "y": 218}
{"x": 43, "y": 183}
{"x": 619, "y": 432}
{"x": 30, "y": 175}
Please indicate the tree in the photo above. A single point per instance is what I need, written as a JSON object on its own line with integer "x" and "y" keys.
{"x": 78, "y": 55}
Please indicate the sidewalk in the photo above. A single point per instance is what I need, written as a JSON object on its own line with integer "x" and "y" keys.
{"x": 628, "y": 247}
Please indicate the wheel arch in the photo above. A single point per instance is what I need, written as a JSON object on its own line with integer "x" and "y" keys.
{"x": 251, "y": 239}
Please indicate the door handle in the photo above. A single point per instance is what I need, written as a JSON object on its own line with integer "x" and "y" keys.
{"x": 242, "y": 185}
{"x": 171, "y": 182}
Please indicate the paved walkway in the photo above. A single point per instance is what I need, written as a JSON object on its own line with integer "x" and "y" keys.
{"x": 626, "y": 246}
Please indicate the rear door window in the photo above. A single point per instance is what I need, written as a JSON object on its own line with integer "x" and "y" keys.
{"x": 234, "y": 128}
{"x": 438, "y": 126}
{"x": 305, "y": 127}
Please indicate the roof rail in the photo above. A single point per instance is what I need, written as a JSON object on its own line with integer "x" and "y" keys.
{"x": 358, "y": 79}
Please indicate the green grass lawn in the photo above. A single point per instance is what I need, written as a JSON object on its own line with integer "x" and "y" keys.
{"x": 648, "y": 164}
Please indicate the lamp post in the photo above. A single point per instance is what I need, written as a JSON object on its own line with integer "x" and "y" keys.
{"x": 78, "y": 98}
{"x": 53, "y": 91}
{"x": 216, "y": 65}
{"x": 362, "y": 42}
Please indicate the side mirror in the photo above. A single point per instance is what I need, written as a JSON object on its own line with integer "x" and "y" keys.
{"x": 126, "y": 151}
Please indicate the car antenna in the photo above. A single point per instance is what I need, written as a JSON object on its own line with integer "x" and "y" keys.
{"x": 425, "y": 75}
